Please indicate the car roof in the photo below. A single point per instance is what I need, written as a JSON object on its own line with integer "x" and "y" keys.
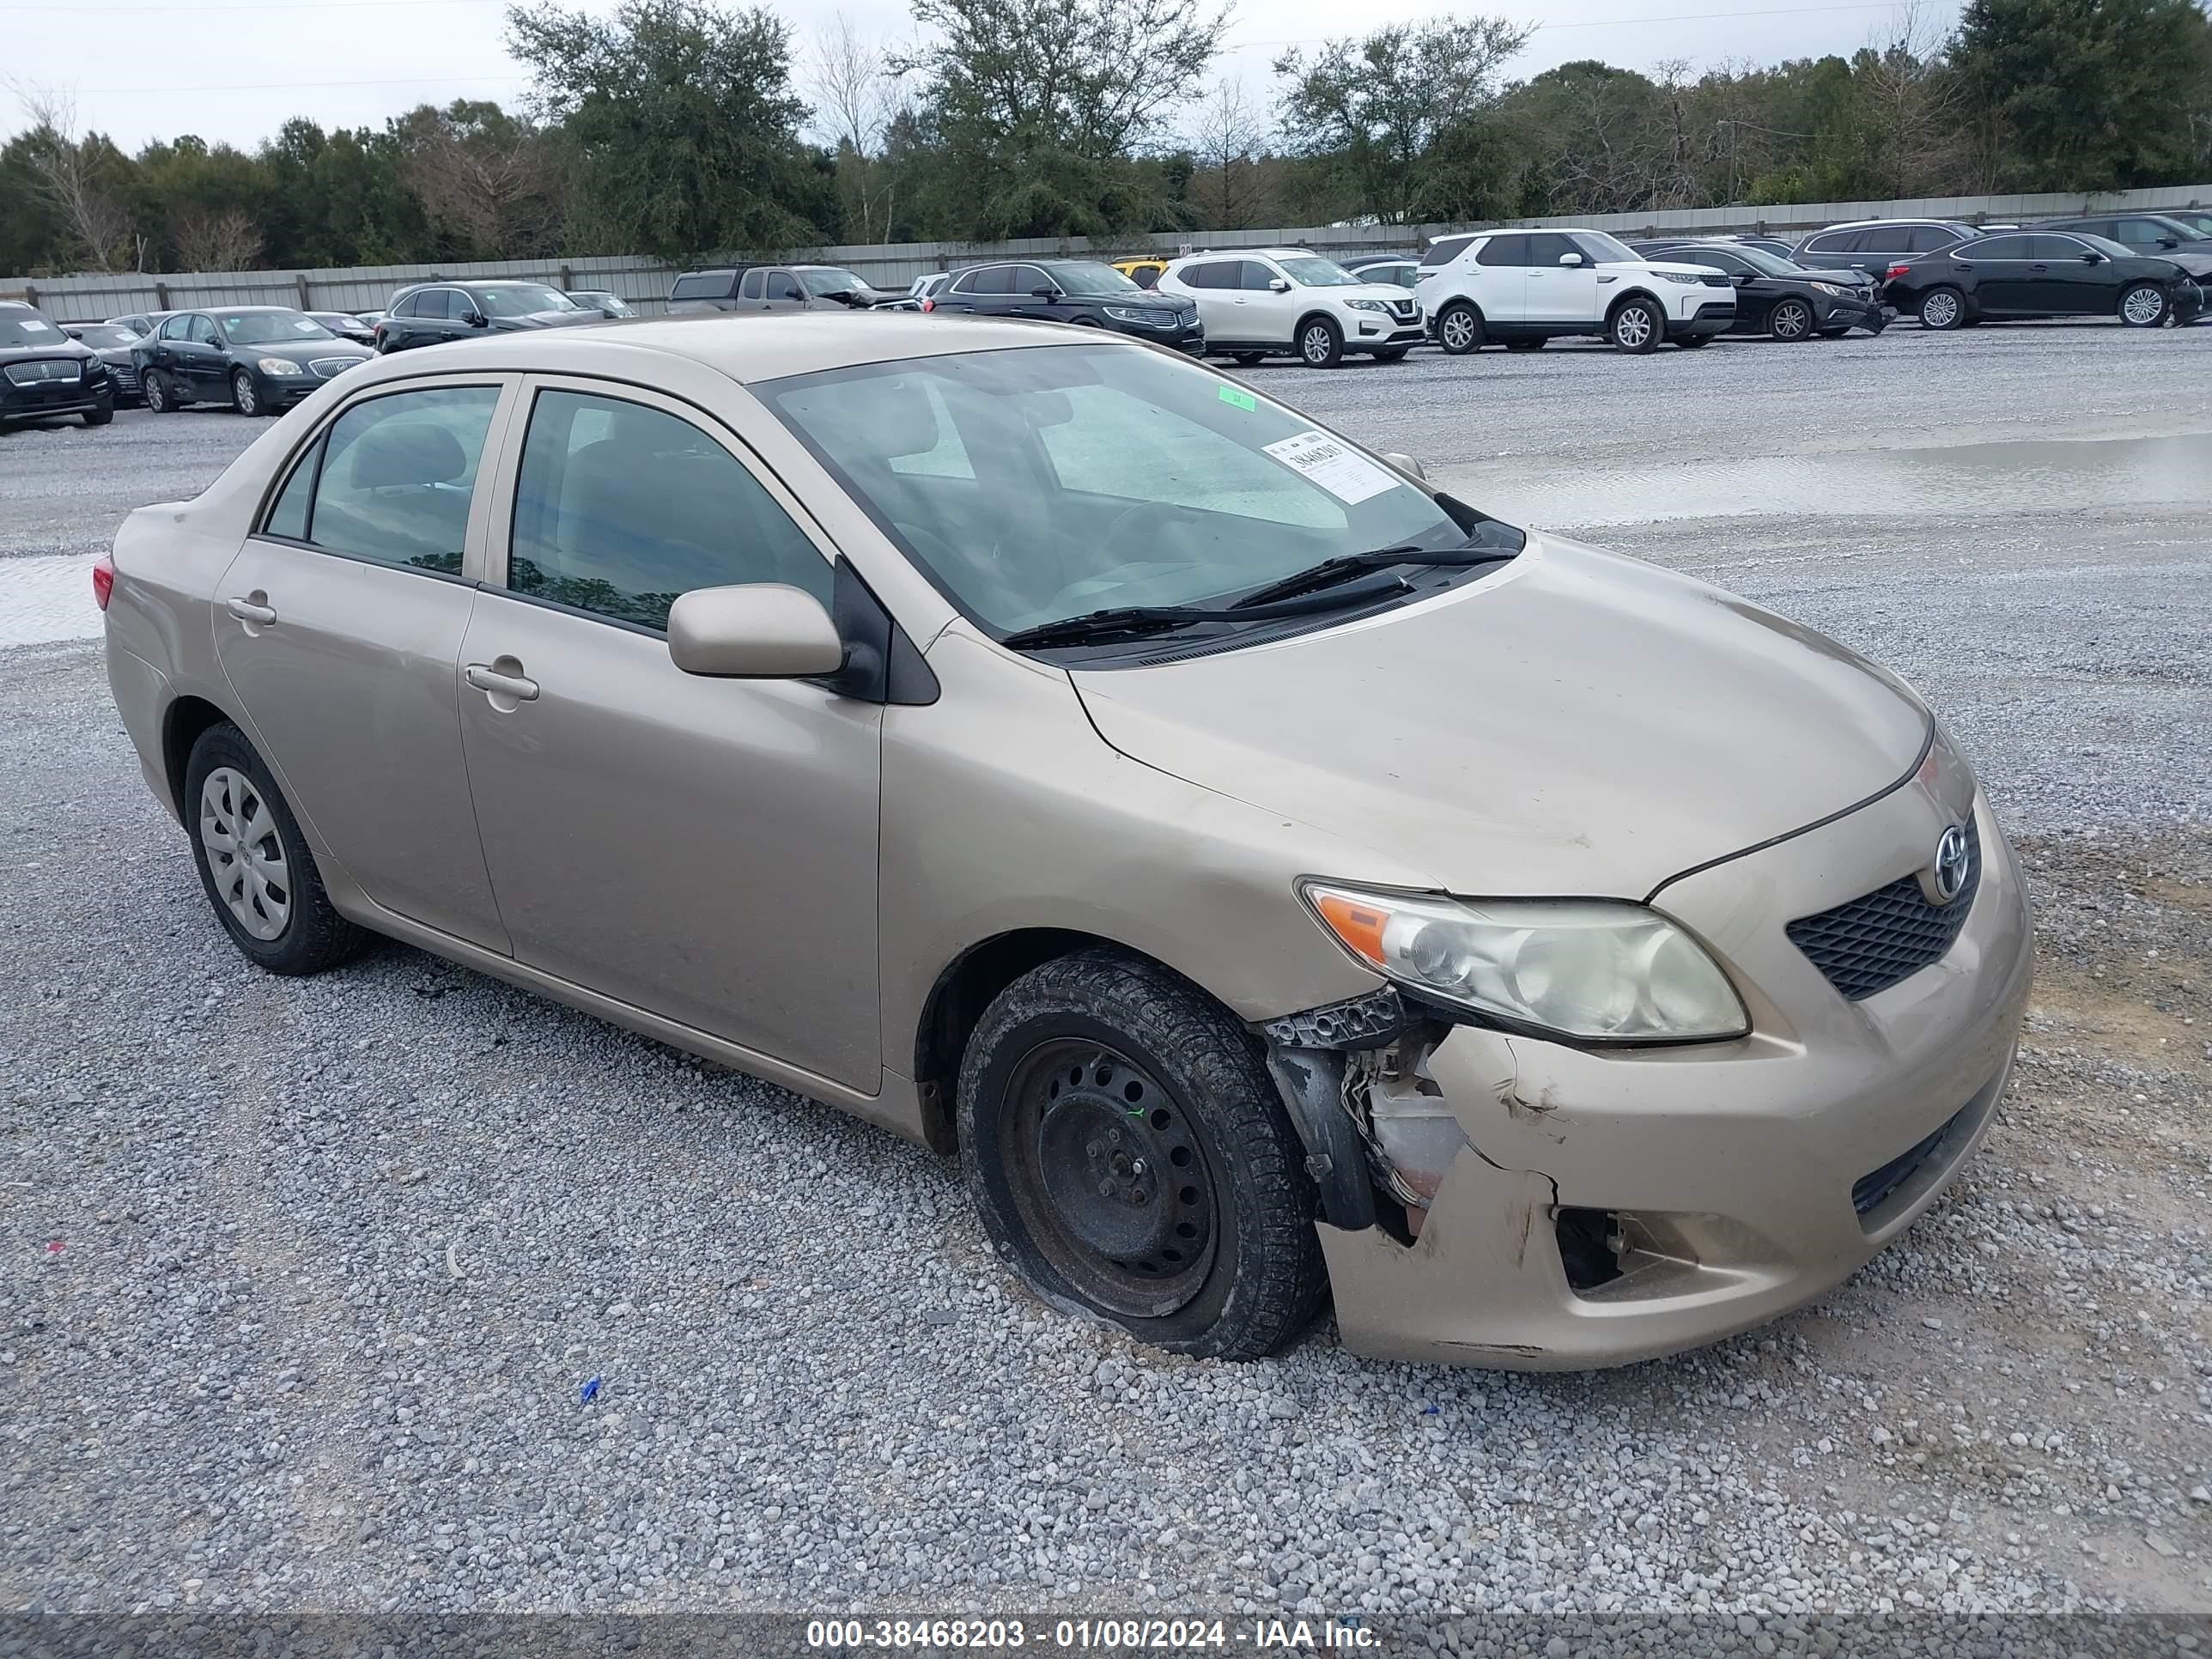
{"x": 762, "y": 346}
{"x": 1869, "y": 224}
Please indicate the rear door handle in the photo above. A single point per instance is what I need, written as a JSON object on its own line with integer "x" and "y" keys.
{"x": 247, "y": 611}
{"x": 490, "y": 680}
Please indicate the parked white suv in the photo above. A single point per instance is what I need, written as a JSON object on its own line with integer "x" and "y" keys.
{"x": 1263, "y": 303}
{"x": 1523, "y": 287}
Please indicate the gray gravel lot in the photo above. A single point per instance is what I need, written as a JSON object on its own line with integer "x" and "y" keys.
{"x": 300, "y": 1282}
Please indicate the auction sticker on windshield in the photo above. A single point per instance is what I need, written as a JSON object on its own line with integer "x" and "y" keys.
{"x": 1334, "y": 465}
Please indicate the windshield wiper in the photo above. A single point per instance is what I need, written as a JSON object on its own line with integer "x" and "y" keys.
{"x": 1134, "y": 621}
{"x": 1329, "y": 572}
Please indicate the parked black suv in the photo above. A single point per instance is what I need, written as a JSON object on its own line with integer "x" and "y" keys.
{"x": 1072, "y": 291}
{"x": 1874, "y": 245}
{"x": 431, "y": 311}
{"x": 257, "y": 359}
{"x": 2043, "y": 273}
{"x": 2151, "y": 235}
{"x": 45, "y": 374}
{"x": 1777, "y": 296}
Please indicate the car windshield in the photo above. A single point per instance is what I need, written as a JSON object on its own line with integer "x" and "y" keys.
{"x": 1311, "y": 271}
{"x": 822, "y": 284}
{"x": 271, "y": 328}
{"x": 1048, "y": 482}
{"x": 22, "y": 328}
{"x": 522, "y": 299}
{"x": 2197, "y": 224}
{"x": 105, "y": 334}
{"x": 1083, "y": 277}
{"x": 1606, "y": 249}
{"x": 1771, "y": 263}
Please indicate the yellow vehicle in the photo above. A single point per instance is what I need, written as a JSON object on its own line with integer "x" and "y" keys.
{"x": 1144, "y": 271}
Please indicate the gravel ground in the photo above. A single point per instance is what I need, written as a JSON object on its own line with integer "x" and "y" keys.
{"x": 304, "y": 1281}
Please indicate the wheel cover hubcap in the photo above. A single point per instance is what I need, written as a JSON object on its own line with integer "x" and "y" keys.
{"x": 1111, "y": 1179}
{"x": 244, "y": 854}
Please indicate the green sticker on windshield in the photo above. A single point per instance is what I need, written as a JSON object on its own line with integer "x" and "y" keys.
{"x": 1238, "y": 396}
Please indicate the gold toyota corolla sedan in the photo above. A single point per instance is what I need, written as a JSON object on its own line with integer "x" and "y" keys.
{"x": 1277, "y": 878}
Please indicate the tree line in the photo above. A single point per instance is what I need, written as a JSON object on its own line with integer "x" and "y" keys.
{"x": 685, "y": 128}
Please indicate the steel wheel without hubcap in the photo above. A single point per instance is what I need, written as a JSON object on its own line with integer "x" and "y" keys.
{"x": 1792, "y": 320}
{"x": 244, "y": 854}
{"x": 2143, "y": 306}
{"x": 1940, "y": 309}
{"x": 1109, "y": 1178}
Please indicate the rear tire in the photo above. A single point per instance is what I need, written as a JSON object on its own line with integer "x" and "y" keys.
{"x": 2144, "y": 305}
{"x": 1942, "y": 309}
{"x": 254, "y": 865}
{"x": 1636, "y": 326}
{"x": 160, "y": 397}
{"x": 1320, "y": 343}
{"x": 1459, "y": 329}
{"x": 1130, "y": 1157}
{"x": 1246, "y": 359}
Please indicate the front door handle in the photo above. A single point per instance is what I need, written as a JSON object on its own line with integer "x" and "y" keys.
{"x": 247, "y": 611}
{"x": 495, "y": 683}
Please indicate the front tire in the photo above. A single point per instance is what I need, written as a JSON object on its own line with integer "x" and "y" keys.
{"x": 1790, "y": 321}
{"x": 1942, "y": 309}
{"x": 254, "y": 864}
{"x": 1320, "y": 343}
{"x": 1392, "y": 354}
{"x": 1636, "y": 326}
{"x": 1130, "y": 1157}
{"x": 2144, "y": 305}
{"x": 1536, "y": 345}
{"x": 1459, "y": 329}
{"x": 1693, "y": 341}
{"x": 244, "y": 396}
{"x": 101, "y": 415}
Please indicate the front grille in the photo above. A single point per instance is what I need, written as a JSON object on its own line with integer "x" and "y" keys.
{"x": 326, "y": 367}
{"x": 1715, "y": 279}
{"x": 1402, "y": 310}
{"x": 50, "y": 369}
{"x": 1872, "y": 1187}
{"x": 1874, "y": 942}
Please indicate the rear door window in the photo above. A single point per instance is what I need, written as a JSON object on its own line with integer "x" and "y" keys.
{"x": 1997, "y": 248}
{"x": 620, "y": 509}
{"x": 749, "y": 286}
{"x": 1504, "y": 251}
{"x": 395, "y": 477}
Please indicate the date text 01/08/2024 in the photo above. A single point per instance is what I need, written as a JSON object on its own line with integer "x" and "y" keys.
{"x": 1093, "y": 1635}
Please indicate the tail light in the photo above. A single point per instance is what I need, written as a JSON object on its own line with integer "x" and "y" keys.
{"x": 929, "y": 304}
{"x": 1895, "y": 270}
{"x": 103, "y": 580}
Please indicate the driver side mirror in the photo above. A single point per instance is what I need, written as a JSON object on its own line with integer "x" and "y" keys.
{"x": 475, "y": 319}
{"x": 1405, "y": 464}
{"x": 1279, "y": 285}
{"x": 1740, "y": 277}
{"x": 1047, "y": 293}
{"x": 1570, "y": 259}
{"x": 2092, "y": 257}
{"x": 755, "y": 631}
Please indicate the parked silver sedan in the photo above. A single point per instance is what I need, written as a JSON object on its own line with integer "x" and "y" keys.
{"x": 1273, "y": 876}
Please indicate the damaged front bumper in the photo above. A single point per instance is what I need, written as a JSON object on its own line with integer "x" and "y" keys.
{"x": 1532, "y": 1205}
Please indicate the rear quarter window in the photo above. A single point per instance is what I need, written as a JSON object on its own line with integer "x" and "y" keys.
{"x": 705, "y": 285}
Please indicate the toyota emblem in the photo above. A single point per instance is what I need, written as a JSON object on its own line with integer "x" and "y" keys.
{"x": 1952, "y": 854}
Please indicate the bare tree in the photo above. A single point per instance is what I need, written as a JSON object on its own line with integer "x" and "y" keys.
{"x": 1226, "y": 144}
{"x": 1914, "y": 97}
{"x": 226, "y": 239}
{"x": 857, "y": 95}
{"x": 62, "y": 162}
{"x": 486, "y": 179}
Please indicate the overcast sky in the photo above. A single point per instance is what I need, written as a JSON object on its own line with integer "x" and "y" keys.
{"x": 233, "y": 71}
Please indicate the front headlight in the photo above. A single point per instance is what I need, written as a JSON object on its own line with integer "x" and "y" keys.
{"x": 1367, "y": 305}
{"x": 1601, "y": 969}
{"x": 1686, "y": 281}
{"x": 1831, "y": 287}
{"x": 281, "y": 366}
{"x": 1132, "y": 314}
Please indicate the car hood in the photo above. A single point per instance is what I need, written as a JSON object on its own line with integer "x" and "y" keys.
{"x": 548, "y": 319}
{"x": 1580, "y": 723}
{"x": 1388, "y": 292}
{"x": 61, "y": 346}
